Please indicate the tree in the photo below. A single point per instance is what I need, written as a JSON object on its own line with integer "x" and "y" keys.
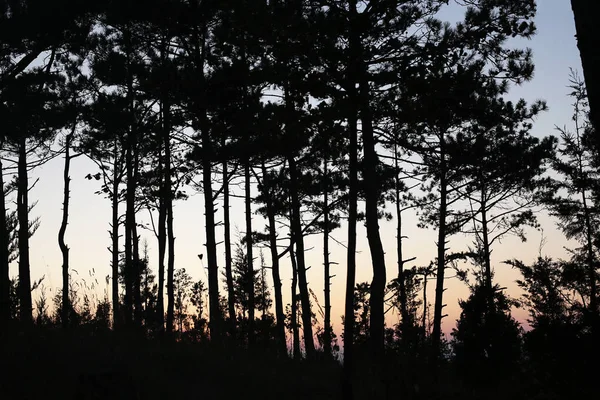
{"x": 260, "y": 295}
{"x": 73, "y": 105}
{"x": 554, "y": 295}
{"x": 289, "y": 51}
{"x": 268, "y": 196}
{"x": 587, "y": 42}
{"x": 463, "y": 63}
{"x": 330, "y": 145}
{"x": 196, "y": 39}
{"x": 572, "y": 196}
{"x": 32, "y": 126}
{"x": 182, "y": 283}
{"x": 102, "y": 143}
{"x": 26, "y": 34}
{"x": 407, "y": 330}
{"x": 502, "y": 174}
{"x": 198, "y": 293}
{"x": 484, "y": 341}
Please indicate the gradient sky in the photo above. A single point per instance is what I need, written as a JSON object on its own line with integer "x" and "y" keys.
{"x": 555, "y": 51}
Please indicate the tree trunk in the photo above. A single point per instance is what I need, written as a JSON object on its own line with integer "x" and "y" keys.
{"x": 211, "y": 245}
{"x": 294, "y": 311}
{"x": 401, "y": 282}
{"x": 348, "y": 369}
{"x": 23, "y": 216}
{"x": 64, "y": 249}
{"x": 279, "y": 314}
{"x": 129, "y": 221}
{"x": 162, "y": 249}
{"x": 168, "y": 215}
{"x": 170, "y": 256}
{"x": 264, "y": 307}
{"x": 4, "y": 265}
{"x": 326, "y": 267}
{"x": 200, "y": 53}
{"x": 591, "y": 265}
{"x": 162, "y": 212}
{"x": 115, "y": 237}
{"x": 372, "y": 191}
{"x": 425, "y": 307}
{"x": 250, "y": 268}
{"x": 227, "y": 239}
{"x": 137, "y": 284}
{"x": 296, "y": 227}
{"x": 441, "y": 258}
{"x": 489, "y": 287}
{"x": 588, "y": 42}
{"x": 137, "y": 262}
{"x": 130, "y": 266}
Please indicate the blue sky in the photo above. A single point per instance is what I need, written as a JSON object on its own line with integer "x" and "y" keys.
{"x": 555, "y": 51}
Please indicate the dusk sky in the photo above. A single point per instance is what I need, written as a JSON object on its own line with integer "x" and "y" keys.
{"x": 555, "y": 51}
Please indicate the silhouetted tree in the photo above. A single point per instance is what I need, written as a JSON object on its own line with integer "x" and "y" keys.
{"x": 32, "y": 126}
{"x": 502, "y": 173}
{"x": 554, "y": 293}
{"x": 484, "y": 341}
{"x": 196, "y": 36}
{"x": 573, "y": 194}
{"x": 587, "y": 42}
{"x": 462, "y": 63}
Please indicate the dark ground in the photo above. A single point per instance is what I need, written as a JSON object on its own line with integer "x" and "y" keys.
{"x": 52, "y": 366}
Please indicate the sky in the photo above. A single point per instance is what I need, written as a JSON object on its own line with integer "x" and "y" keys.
{"x": 555, "y": 51}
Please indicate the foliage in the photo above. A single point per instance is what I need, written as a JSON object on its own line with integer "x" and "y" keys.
{"x": 167, "y": 103}
{"x": 485, "y": 339}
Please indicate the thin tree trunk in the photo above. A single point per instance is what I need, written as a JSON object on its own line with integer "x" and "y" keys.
{"x": 227, "y": 239}
{"x": 4, "y": 265}
{"x": 162, "y": 249}
{"x": 250, "y": 268}
{"x": 279, "y": 314}
{"x": 129, "y": 221}
{"x": 425, "y": 307}
{"x": 130, "y": 267}
{"x": 372, "y": 192}
{"x": 263, "y": 287}
{"x": 168, "y": 200}
{"x": 301, "y": 264}
{"x": 401, "y": 282}
{"x": 162, "y": 211}
{"x": 209, "y": 211}
{"x": 137, "y": 263}
{"x": 165, "y": 181}
{"x": 591, "y": 265}
{"x": 441, "y": 258}
{"x": 348, "y": 369}
{"x": 64, "y": 249}
{"x": 115, "y": 237}
{"x": 326, "y": 266}
{"x": 23, "y": 216}
{"x": 489, "y": 287}
{"x": 170, "y": 257}
{"x": 294, "y": 310}
{"x": 211, "y": 246}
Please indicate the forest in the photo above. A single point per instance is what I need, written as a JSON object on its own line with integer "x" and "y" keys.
{"x": 326, "y": 115}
